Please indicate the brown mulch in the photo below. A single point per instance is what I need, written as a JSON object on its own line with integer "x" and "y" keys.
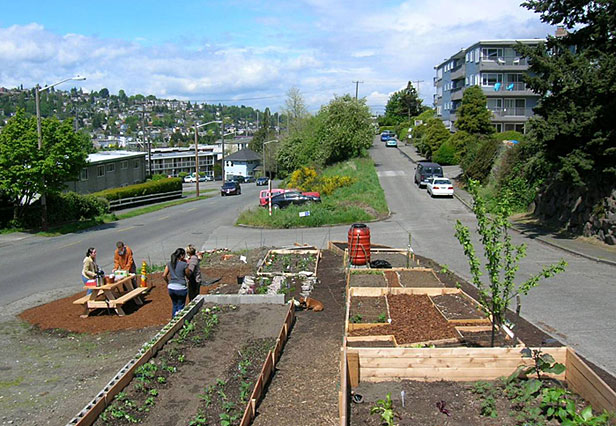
{"x": 413, "y": 319}
{"x": 63, "y": 314}
{"x": 457, "y": 307}
{"x": 419, "y": 279}
{"x": 392, "y": 279}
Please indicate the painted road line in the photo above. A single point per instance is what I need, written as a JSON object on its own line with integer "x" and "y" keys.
{"x": 189, "y": 210}
{"x": 163, "y": 218}
{"x": 126, "y": 229}
{"x": 71, "y": 244}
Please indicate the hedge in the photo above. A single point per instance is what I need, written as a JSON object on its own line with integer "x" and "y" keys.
{"x": 66, "y": 207}
{"x": 147, "y": 188}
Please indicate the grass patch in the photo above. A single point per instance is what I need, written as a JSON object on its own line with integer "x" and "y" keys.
{"x": 363, "y": 201}
{"x": 112, "y": 217}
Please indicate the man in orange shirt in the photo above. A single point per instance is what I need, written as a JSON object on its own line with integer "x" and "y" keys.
{"x": 123, "y": 259}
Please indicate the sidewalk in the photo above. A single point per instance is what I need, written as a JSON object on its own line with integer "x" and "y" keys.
{"x": 594, "y": 251}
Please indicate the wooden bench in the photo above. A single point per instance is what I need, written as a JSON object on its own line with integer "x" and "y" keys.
{"x": 129, "y": 296}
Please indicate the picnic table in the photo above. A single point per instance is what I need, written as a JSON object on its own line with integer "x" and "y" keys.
{"x": 111, "y": 296}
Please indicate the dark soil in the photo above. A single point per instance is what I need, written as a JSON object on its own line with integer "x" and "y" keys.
{"x": 304, "y": 390}
{"x": 368, "y": 310}
{"x": 457, "y": 307}
{"x": 414, "y": 319}
{"x": 289, "y": 263}
{"x": 462, "y": 405}
{"x": 397, "y": 260}
{"x": 367, "y": 280}
{"x": 186, "y": 378}
{"x": 419, "y": 279}
{"x": 483, "y": 339}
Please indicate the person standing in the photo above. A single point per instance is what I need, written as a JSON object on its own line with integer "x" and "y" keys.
{"x": 175, "y": 274}
{"x": 123, "y": 260}
{"x": 194, "y": 275}
{"x": 90, "y": 268}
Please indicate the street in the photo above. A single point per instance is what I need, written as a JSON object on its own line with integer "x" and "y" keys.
{"x": 576, "y": 307}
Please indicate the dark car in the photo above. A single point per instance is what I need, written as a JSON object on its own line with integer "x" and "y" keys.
{"x": 249, "y": 179}
{"x": 285, "y": 199}
{"x": 236, "y": 178}
{"x": 230, "y": 188}
{"x": 426, "y": 170}
{"x": 262, "y": 181}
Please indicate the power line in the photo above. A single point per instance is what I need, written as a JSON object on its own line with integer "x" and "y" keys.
{"x": 357, "y": 88}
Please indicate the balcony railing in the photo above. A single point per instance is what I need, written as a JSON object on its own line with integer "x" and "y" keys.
{"x": 506, "y": 87}
{"x": 506, "y": 60}
{"x": 512, "y": 112}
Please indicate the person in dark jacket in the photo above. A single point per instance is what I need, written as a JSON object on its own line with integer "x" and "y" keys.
{"x": 175, "y": 274}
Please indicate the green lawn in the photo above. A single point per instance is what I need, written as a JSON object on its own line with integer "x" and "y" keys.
{"x": 361, "y": 202}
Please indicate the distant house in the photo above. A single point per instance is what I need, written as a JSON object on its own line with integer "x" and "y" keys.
{"x": 110, "y": 169}
{"x": 242, "y": 163}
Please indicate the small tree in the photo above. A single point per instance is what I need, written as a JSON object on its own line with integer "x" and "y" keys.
{"x": 502, "y": 258}
{"x": 473, "y": 116}
{"x": 435, "y": 135}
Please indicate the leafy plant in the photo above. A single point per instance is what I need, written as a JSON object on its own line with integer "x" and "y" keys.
{"x": 355, "y": 318}
{"x": 502, "y": 259}
{"x": 543, "y": 363}
{"x": 384, "y": 407}
{"x": 382, "y": 318}
{"x": 227, "y": 419}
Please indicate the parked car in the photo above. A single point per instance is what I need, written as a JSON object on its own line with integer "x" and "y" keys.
{"x": 285, "y": 199}
{"x": 392, "y": 142}
{"x": 209, "y": 178}
{"x": 230, "y": 188}
{"x": 236, "y": 178}
{"x": 264, "y": 194}
{"x": 438, "y": 186}
{"x": 425, "y": 170}
{"x": 249, "y": 179}
{"x": 192, "y": 178}
{"x": 386, "y": 135}
{"x": 262, "y": 181}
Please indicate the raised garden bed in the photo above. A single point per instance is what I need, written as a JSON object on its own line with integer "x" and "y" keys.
{"x": 420, "y": 373}
{"x": 367, "y": 278}
{"x": 367, "y": 312}
{"x": 422, "y": 278}
{"x": 189, "y": 368}
{"x": 459, "y": 308}
{"x": 289, "y": 262}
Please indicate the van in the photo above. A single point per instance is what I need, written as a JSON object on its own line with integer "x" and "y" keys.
{"x": 425, "y": 170}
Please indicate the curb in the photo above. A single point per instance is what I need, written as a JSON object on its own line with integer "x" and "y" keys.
{"x": 540, "y": 239}
{"x": 546, "y": 241}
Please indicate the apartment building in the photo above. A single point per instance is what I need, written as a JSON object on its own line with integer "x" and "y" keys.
{"x": 496, "y": 67}
{"x": 173, "y": 161}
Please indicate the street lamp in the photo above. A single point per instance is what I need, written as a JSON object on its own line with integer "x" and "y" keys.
{"x": 197, "y": 152}
{"x": 39, "y": 133}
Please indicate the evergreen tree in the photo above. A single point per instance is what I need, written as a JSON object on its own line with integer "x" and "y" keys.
{"x": 473, "y": 115}
{"x": 402, "y": 105}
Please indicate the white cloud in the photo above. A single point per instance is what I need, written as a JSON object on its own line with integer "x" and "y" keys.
{"x": 321, "y": 53}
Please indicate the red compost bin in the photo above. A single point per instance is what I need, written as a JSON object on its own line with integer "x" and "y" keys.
{"x": 359, "y": 244}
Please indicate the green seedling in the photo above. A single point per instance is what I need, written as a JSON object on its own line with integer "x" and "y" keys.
{"x": 384, "y": 407}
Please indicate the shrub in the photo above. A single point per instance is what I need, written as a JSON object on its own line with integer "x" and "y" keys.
{"x": 67, "y": 207}
{"x": 158, "y": 177}
{"x": 446, "y": 154}
{"x": 509, "y": 136}
{"x": 150, "y": 187}
{"x": 483, "y": 160}
{"x": 307, "y": 179}
{"x": 461, "y": 142}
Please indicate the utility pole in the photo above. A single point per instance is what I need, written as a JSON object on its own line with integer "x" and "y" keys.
{"x": 357, "y": 87}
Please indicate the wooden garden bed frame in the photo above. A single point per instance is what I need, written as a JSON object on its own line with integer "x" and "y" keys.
{"x": 91, "y": 411}
{"x": 370, "y": 271}
{"x": 302, "y": 250}
{"x": 376, "y": 251}
{"x": 461, "y": 364}
{"x": 483, "y": 324}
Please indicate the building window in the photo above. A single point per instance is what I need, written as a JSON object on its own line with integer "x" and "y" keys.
{"x": 101, "y": 171}
{"x": 498, "y": 127}
{"x": 110, "y": 168}
{"x": 491, "y": 53}
{"x": 136, "y": 165}
{"x": 124, "y": 164}
{"x": 490, "y": 79}
{"x": 84, "y": 174}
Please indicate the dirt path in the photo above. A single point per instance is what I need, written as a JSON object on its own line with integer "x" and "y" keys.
{"x": 304, "y": 390}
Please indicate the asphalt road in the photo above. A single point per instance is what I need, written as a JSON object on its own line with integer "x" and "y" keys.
{"x": 577, "y": 307}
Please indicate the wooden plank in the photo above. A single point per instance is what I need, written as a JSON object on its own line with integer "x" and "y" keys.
{"x": 363, "y": 326}
{"x": 435, "y": 373}
{"x": 473, "y": 328}
{"x": 266, "y": 371}
{"x": 380, "y": 338}
{"x": 588, "y": 384}
{"x": 478, "y": 321}
{"x": 128, "y": 296}
{"x": 343, "y": 395}
{"x": 459, "y": 363}
{"x": 427, "y": 342}
{"x": 353, "y": 366}
{"x": 90, "y": 416}
{"x": 248, "y": 416}
{"x": 558, "y": 353}
{"x": 258, "y": 389}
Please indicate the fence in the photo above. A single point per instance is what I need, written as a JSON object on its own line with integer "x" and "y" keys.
{"x": 143, "y": 199}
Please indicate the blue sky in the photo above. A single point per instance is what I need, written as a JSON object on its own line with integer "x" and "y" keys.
{"x": 248, "y": 52}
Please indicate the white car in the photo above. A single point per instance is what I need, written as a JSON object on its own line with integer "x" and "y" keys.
{"x": 438, "y": 186}
{"x": 189, "y": 179}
